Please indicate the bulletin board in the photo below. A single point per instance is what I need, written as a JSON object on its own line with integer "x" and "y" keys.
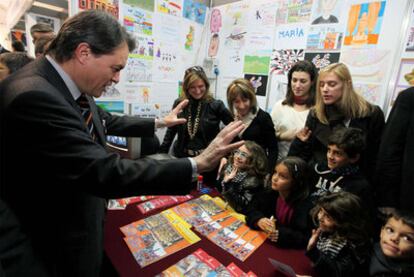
{"x": 366, "y": 35}
{"x": 168, "y": 36}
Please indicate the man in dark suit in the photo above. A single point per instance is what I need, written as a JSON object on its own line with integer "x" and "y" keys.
{"x": 55, "y": 170}
{"x": 395, "y": 175}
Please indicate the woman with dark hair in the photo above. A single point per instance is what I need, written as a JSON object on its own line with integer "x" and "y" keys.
{"x": 203, "y": 115}
{"x": 242, "y": 102}
{"x": 282, "y": 210}
{"x": 289, "y": 115}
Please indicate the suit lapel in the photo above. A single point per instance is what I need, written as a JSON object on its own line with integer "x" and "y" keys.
{"x": 49, "y": 73}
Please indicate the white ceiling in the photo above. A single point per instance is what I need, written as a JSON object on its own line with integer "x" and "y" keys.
{"x": 47, "y": 12}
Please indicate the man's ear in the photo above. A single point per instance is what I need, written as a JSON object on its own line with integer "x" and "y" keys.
{"x": 82, "y": 52}
{"x": 355, "y": 159}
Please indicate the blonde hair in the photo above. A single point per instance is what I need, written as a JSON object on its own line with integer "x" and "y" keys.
{"x": 243, "y": 88}
{"x": 192, "y": 76}
{"x": 351, "y": 104}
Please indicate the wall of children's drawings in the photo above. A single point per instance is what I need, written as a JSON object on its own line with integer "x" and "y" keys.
{"x": 168, "y": 36}
{"x": 261, "y": 39}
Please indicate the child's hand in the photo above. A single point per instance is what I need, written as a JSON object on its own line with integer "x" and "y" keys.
{"x": 231, "y": 175}
{"x": 268, "y": 225}
{"x": 313, "y": 239}
{"x": 304, "y": 134}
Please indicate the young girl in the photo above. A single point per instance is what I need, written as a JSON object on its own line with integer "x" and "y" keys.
{"x": 244, "y": 175}
{"x": 283, "y": 209}
{"x": 340, "y": 245}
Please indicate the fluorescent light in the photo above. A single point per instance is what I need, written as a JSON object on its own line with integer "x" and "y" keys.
{"x": 49, "y": 7}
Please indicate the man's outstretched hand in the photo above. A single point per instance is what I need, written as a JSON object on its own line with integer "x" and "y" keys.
{"x": 172, "y": 119}
{"x": 219, "y": 147}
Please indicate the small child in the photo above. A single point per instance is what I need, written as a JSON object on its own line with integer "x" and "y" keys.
{"x": 244, "y": 175}
{"x": 283, "y": 209}
{"x": 394, "y": 254}
{"x": 341, "y": 173}
{"x": 340, "y": 245}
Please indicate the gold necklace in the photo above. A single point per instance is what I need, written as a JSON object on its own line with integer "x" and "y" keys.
{"x": 192, "y": 130}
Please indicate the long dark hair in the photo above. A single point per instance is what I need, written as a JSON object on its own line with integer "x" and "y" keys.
{"x": 302, "y": 66}
{"x": 299, "y": 170}
{"x": 345, "y": 209}
{"x": 100, "y": 30}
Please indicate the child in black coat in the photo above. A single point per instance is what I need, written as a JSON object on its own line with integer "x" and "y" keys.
{"x": 283, "y": 209}
{"x": 341, "y": 173}
{"x": 340, "y": 246}
{"x": 393, "y": 256}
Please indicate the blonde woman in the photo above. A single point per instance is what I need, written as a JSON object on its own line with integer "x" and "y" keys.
{"x": 339, "y": 106}
{"x": 242, "y": 103}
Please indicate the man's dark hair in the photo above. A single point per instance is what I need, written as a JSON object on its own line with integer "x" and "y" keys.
{"x": 40, "y": 44}
{"x": 350, "y": 140}
{"x": 41, "y": 28}
{"x": 99, "y": 29}
{"x": 15, "y": 60}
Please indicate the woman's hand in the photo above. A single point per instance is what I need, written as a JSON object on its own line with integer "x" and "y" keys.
{"x": 304, "y": 134}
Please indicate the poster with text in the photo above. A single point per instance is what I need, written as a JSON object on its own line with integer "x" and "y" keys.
{"x": 324, "y": 38}
{"x": 290, "y": 36}
{"x": 171, "y": 7}
{"x": 262, "y": 14}
{"x": 136, "y": 20}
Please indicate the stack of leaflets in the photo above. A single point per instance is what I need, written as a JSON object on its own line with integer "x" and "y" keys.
{"x": 199, "y": 263}
{"x": 220, "y": 226}
{"x": 162, "y": 202}
{"x": 157, "y": 236}
{"x": 120, "y": 204}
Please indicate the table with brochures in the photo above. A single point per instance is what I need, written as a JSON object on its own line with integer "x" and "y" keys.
{"x": 120, "y": 251}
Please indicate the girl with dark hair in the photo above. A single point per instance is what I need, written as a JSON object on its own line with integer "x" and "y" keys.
{"x": 282, "y": 210}
{"x": 289, "y": 115}
{"x": 244, "y": 175}
{"x": 340, "y": 246}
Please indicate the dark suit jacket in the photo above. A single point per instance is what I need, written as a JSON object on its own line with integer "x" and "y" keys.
{"x": 395, "y": 175}
{"x": 262, "y": 131}
{"x": 56, "y": 178}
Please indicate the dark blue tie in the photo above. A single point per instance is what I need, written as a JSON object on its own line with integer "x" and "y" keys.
{"x": 87, "y": 114}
